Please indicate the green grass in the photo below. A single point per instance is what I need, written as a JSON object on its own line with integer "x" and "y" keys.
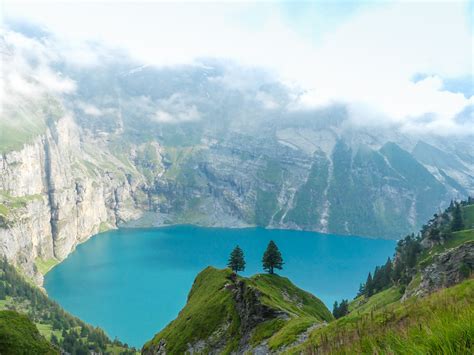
{"x": 18, "y": 335}
{"x": 468, "y": 216}
{"x": 289, "y": 333}
{"x": 116, "y": 350}
{"x": 381, "y": 299}
{"x": 104, "y": 227}
{"x": 177, "y": 157}
{"x": 280, "y": 293}
{"x": 209, "y": 306}
{"x": 265, "y": 330}
{"x": 8, "y": 203}
{"x": 441, "y": 323}
{"x": 47, "y": 331}
{"x": 21, "y": 124}
{"x": 13, "y": 137}
{"x": 456, "y": 239}
{"x": 4, "y": 210}
{"x": 44, "y": 266}
{"x": 4, "y": 304}
{"x": 211, "y": 312}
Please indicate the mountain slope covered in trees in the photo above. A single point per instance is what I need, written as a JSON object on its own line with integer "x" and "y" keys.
{"x": 62, "y": 331}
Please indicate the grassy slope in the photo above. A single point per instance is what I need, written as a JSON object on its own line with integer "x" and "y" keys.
{"x": 21, "y": 124}
{"x": 45, "y": 265}
{"x": 18, "y": 335}
{"x": 279, "y": 293}
{"x": 442, "y": 323}
{"x": 210, "y": 305}
{"x": 363, "y": 305}
{"x": 468, "y": 216}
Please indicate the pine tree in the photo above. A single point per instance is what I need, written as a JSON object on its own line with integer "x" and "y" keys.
{"x": 388, "y": 273}
{"x": 340, "y": 310}
{"x": 369, "y": 287}
{"x": 457, "y": 224}
{"x": 236, "y": 260}
{"x": 272, "y": 258}
{"x": 335, "y": 310}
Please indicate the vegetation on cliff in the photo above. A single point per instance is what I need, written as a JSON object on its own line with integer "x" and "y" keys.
{"x": 390, "y": 314}
{"x": 18, "y": 335}
{"x": 226, "y": 313}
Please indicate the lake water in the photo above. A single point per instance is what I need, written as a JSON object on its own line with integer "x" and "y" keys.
{"x": 132, "y": 282}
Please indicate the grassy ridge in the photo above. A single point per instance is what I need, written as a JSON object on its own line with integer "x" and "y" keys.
{"x": 211, "y": 313}
{"x": 209, "y": 305}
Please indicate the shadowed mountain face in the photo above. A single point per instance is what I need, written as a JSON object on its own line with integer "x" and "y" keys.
{"x": 212, "y": 144}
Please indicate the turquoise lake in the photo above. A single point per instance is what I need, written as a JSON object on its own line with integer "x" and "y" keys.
{"x": 132, "y": 282}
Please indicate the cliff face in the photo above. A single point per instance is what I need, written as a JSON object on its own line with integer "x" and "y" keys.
{"x": 55, "y": 195}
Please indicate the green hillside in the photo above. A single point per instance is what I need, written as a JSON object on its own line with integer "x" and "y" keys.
{"x": 224, "y": 312}
{"x": 18, "y": 335}
{"x": 442, "y": 323}
{"x": 394, "y": 317}
{"x": 56, "y": 326}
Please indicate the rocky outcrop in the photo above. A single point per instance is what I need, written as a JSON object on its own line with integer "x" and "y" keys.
{"x": 250, "y": 309}
{"x": 226, "y": 313}
{"x": 446, "y": 269}
{"x": 55, "y": 195}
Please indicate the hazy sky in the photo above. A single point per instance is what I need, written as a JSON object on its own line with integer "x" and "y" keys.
{"x": 365, "y": 54}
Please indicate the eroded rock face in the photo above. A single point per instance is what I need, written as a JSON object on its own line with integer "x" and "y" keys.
{"x": 447, "y": 269}
{"x": 56, "y": 196}
{"x": 251, "y": 310}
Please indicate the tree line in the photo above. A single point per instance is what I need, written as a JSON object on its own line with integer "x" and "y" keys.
{"x": 402, "y": 268}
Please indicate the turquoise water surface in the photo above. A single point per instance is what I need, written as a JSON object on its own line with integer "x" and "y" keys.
{"x": 132, "y": 282}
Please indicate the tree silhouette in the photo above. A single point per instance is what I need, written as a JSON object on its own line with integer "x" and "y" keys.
{"x": 272, "y": 258}
{"x": 236, "y": 260}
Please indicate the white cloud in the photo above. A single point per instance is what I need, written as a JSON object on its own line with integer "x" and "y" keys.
{"x": 267, "y": 100}
{"x": 26, "y": 71}
{"x": 366, "y": 61}
{"x": 176, "y": 109}
{"x": 89, "y": 109}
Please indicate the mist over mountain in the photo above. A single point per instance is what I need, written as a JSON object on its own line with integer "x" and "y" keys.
{"x": 216, "y": 133}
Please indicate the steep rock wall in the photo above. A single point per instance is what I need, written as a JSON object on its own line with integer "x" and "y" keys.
{"x": 54, "y": 195}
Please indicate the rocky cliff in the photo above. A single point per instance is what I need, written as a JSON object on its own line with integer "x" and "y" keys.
{"x": 445, "y": 270}
{"x": 54, "y": 195}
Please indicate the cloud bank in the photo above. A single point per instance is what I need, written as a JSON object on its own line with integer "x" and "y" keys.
{"x": 366, "y": 58}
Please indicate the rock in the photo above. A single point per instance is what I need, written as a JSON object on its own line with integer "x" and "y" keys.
{"x": 57, "y": 196}
{"x": 447, "y": 269}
